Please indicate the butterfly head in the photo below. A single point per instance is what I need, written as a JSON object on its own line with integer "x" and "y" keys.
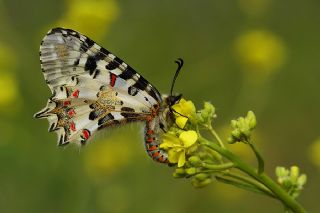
{"x": 173, "y": 99}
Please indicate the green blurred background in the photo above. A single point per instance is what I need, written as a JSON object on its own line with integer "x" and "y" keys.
{"x": 260, "y": 55}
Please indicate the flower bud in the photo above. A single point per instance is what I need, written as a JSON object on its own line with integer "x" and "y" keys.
{"x": 191, "y": 171}
{"x": 291, "y": 181}
{"x": 281, "y": 171}
{"x": 179, "y": 173}
{"x": 294, "y": 174}
{"x": 199, "y": 184}
{"x": 302, "y": 180}
{"x": 195, "y": 160}
{"x": 201, "y": 176}
{"x": 208, "y": 110}
{"x": 233, "y": 123}
{"x": 251, "y": 118}
{"x": 231, "y": 140}
{"x": 236, "y": 133}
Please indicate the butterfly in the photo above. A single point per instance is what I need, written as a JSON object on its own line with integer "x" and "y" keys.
{"x": 93, "y": 89}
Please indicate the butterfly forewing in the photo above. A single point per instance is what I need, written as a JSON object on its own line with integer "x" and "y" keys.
{"x": 91, "y": 87}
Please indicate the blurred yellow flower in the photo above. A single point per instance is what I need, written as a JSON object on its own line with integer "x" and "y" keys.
{"x": 9, "y": 92}
{"x": 260, "y": 51}
{"x": 185, "y": 109}
{"x": 107, "y": 157}
{"x": 89, "y": 17}
{"x": 178, "y": 147}
{"x": 314, "y": 152}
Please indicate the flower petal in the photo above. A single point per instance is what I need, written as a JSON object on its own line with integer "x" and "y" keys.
{"x": 173, "y": 156}
{"x": 188, "y": 138}
{"x": 178, "y": 109}
{"x": 169, "y": 141}
{"x": 182, "y": 159}
{"x": 189, "y": 108}
{"x": 181, "y": 121}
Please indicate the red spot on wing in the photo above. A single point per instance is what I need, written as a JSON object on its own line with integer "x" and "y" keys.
{"x": 73, "y": 126}
{"x": 75, "y": 94}
{"x": 85, "y": 134}
{"x": 71, "y": 112}
{"x": 113, "y": 79}
{"x": 66, "y": 103}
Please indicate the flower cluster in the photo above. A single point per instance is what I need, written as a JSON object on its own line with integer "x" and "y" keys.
{"x": 184, "y": 111}
{"x": 242, "y": 128}
{"x": 179, "y": 141}
{"x": 201, "y": 159}
{"x": 206, "y": 114}
{"x": 182, "y": 144}
{"x": 291, "y": 180}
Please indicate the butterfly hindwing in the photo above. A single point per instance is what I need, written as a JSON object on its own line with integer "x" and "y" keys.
{"x": 91, "y": 87}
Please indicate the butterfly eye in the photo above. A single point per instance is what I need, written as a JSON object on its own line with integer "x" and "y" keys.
{"x": 173, "y": 99}
{"x": 177, "y": 98}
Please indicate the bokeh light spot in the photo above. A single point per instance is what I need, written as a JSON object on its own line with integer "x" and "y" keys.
{"x": 107, "y": 156}
{"x": 89, "y": 17}
{"x": 260, "y": 51}
{"x": 314, "y": 152}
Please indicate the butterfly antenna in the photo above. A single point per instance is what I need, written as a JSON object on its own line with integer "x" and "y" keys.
{"x": 179, "y": 61}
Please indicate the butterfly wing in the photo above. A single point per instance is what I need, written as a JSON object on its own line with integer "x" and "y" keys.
{"x": 91, "y": 88}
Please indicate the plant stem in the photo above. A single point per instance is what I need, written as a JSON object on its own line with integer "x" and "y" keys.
{"x": 284, "y": 197}
{"x": 218, "y": 167}
{"x": 213, "y": 132}
{"x": 248, "y": 180}
{"x": 259, "y": 158}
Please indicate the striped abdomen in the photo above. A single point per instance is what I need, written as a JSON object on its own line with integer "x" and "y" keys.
{"x": 153, "y": 134}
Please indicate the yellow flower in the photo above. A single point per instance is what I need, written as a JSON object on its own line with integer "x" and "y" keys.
{"x": 179, "y": 147}
{"x": 181, "y": 121}
{"x": 185, "y": 110}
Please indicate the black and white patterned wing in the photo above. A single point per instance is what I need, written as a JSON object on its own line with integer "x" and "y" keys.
{"x": 91, "y": 88}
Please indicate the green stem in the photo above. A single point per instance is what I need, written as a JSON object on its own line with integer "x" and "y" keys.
{"x": 259, "y": 158}
{"x": 214, "y": 133}
{"x": 260, "y": 186}
{"x": 240, "y": 184}
{"x": 284, "y": 197}
{"x": 218, "y": 167}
